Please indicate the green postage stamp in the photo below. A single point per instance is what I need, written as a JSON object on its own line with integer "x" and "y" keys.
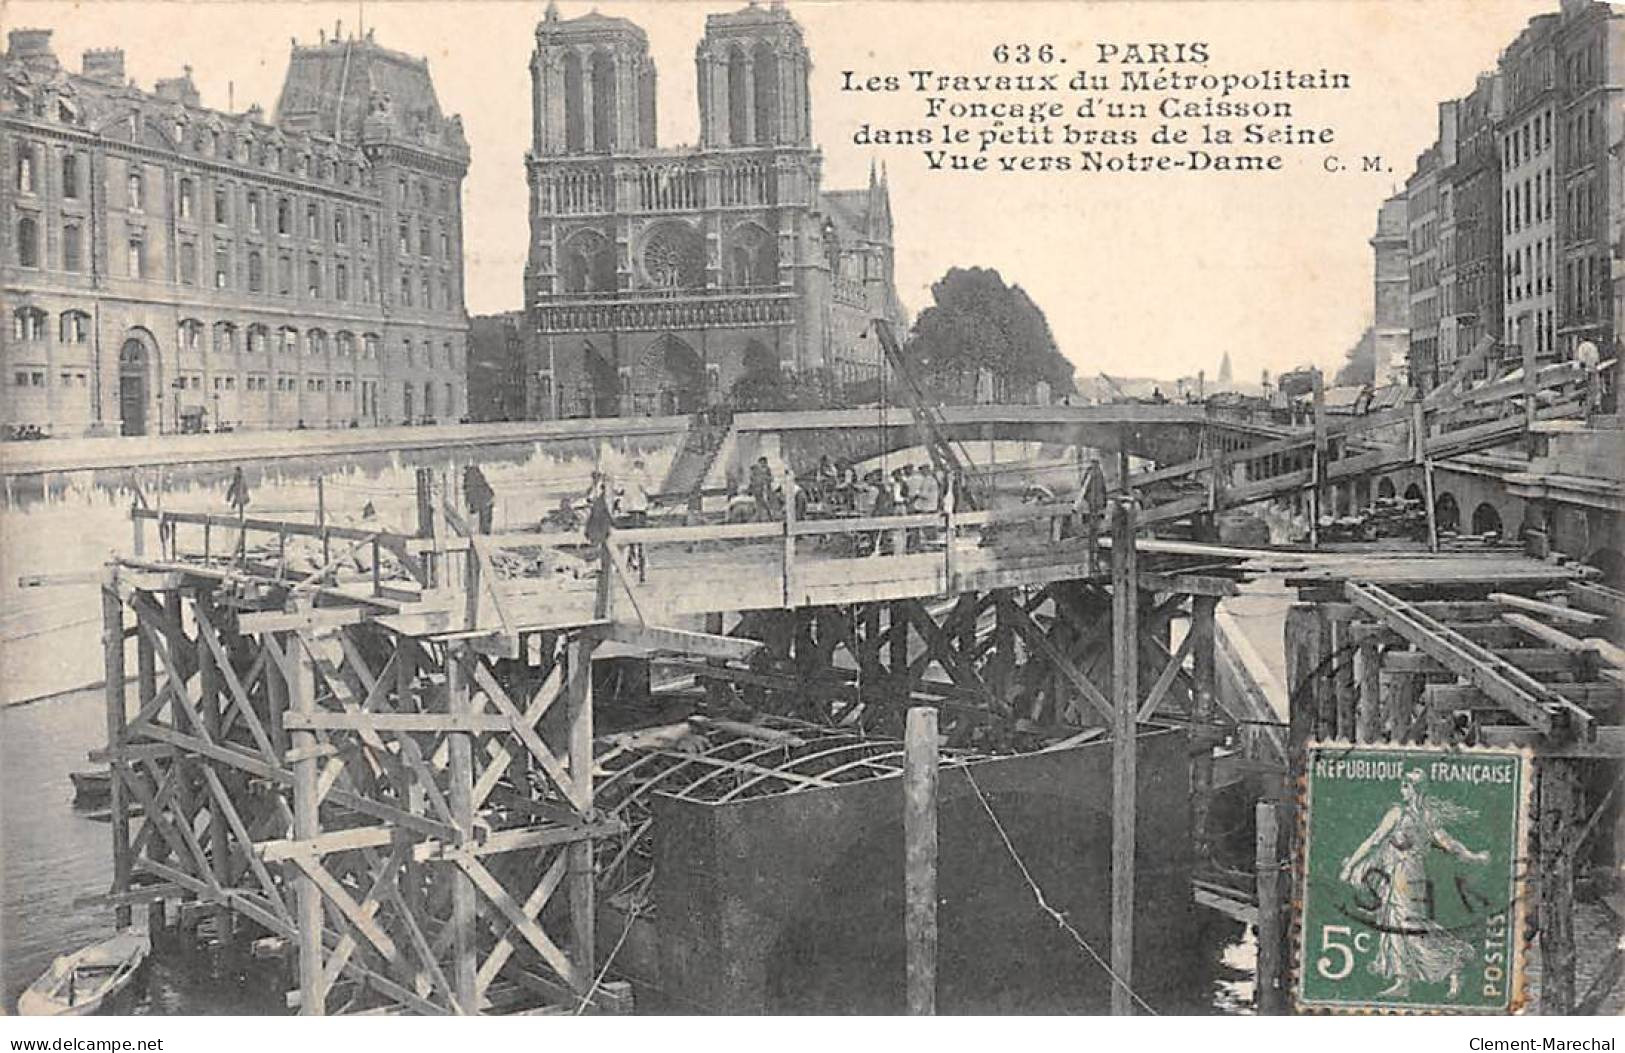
{"x": 1412, "y": 879}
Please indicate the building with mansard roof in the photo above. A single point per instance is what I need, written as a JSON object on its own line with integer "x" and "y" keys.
{"x": 169, "y": 267}
{"x": 658, "y": 278}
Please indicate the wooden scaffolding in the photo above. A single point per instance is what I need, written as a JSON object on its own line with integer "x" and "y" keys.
{"x": 383, "y": 756}
{"x": 1407, "y": 655}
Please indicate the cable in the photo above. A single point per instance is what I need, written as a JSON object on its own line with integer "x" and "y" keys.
{"x": 586, "y": 999}
{"x": 1038, "y": 894}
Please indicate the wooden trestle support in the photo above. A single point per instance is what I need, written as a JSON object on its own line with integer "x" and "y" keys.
{"x": 1446, "y": 663}
{"x": 416, "y": 827}
{"x": 415, "y": 817}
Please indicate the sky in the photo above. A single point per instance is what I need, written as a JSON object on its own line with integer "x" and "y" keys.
{"x": 1140, "y": 274}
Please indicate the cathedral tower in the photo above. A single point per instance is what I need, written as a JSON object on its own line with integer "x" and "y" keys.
{"x": 592, "y": 86}
{"x": 752, "y": 80}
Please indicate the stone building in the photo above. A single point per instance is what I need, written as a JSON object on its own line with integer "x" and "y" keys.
{"x": 1589, "y": 51}
{"x": 497, "y": 386}
{"x": 1529, "y": 175}
{"x": 658, "y": 278}
{"x": 1474, "y": 259}
{"x": 1422, "y": 218}
{"x": 1391, "y": 328}
{"x": 171, "y": 267}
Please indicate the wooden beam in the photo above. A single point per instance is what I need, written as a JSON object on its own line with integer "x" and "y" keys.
{"x": 460, "y": 794}
{"x": 310, "y": 619}
{"x": 1534, "y": 703}
{"x": 1535, "y": 660}
{"x": 301, "y": 688}
{"x": 1270, "y": 991}
{"x": 1203, "y": 641}
{"x": 1558, "y": 789}
{"x": 1608, "y": 745}
{"x": 920, "y": 763}
{"x": 363, "y": 721}
{"x": 1188, "y": 584}
{"x": 1125, "y": 689}
{"x": 578, "y": 701}
{"x": 680, "y": 641}
{"x": 113, "y": 689}
{"x": 1170, "y": 670}
{"x": 1594, "y": 695}
{"x": 1546, "y": 634}
{"x": 1550, "y": 611}
{"x": 1463, "y": 370}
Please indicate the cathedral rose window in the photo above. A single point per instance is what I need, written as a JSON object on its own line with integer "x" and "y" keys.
{"x": 674, "y": 257}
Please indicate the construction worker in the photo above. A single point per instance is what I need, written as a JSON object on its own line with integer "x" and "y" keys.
{"x": 599, "y": 521}
{"x": 1088, "y": 507}
{"x": 479, "y": 497}
{"x": 1590, "y": 360}
{"x": 633, "y": 497}
{"x": 237, "y": 492}
{"x": 761, "y": 488}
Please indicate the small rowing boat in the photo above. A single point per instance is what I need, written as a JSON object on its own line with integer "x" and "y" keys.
{"x": 91, "y": 786}
{"x": 84, "y": 982}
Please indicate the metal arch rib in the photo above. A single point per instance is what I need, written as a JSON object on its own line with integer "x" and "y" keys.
{"x": 788, "y": 771}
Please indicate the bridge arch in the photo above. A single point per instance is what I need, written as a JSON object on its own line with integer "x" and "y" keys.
{"x": 1413, "y": 492}
{"x": 1487, "y": 520}
{"x": 1447, "y": 512}
{"x": 1385, "y": 488}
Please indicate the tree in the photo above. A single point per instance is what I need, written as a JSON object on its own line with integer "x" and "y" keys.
{"x": 978, "y": 322}
{"x": 1360, "y": 365}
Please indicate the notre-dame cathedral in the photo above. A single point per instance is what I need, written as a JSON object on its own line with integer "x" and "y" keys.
{"x": 658, "y": 277}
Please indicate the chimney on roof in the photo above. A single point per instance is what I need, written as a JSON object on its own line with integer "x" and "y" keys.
{"x": 32, "y": 47}
{"x": 179, "y": 89}
{"x": 104, "y": 64}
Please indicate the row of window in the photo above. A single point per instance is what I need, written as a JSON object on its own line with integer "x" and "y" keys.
{"x": 1586, "y": 280}
{"x": 1527, "y": 202}
{"x": 1527, "y": 141}
{"x": 1545, "y": 331}
{"x": 1583, "y": 132}
{"x": 1584, "y": 201}
{"x": 256, "y": 207}
{"x": 36, "y": 376}
{"x": 1529, "y": 271}
{"x": 32, "y": 325}
{"x": 210, "y": 142}
{"x": 424, "y": 291}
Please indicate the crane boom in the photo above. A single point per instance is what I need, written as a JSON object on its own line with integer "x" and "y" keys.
{"x": 946, "y": 454}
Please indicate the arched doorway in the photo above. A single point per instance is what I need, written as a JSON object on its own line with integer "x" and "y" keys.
{"x": 1413, "y": 492}
{"x": 669, "y": 380}
{"x": 1446, "y": 513}
{"x": 134, "y": 387}
{"x": 1385, "y": 488}
{"x": 600, "y": 394}
{"x": 1486, "y": 520}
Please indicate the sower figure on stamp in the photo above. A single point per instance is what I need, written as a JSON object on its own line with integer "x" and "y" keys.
{"x": 1391, "y": 865}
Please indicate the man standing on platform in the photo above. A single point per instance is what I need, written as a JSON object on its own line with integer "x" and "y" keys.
{"x": 634, "y": 501}
{"x": 479, "y": 497}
